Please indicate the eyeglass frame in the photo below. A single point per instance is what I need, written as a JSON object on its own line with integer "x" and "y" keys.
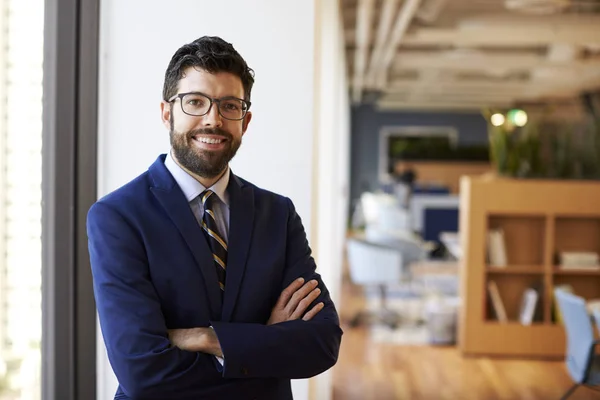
{"x": 212, "y": 100}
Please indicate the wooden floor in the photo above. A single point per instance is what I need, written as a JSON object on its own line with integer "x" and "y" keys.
{"x": 379, "y": 371}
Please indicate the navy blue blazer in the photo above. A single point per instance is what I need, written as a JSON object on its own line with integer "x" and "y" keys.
{"x": 153, "y": 270}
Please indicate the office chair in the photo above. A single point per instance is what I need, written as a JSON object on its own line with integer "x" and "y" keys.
{"x": 582, "y": 362}
{"x": 373, "y": 264}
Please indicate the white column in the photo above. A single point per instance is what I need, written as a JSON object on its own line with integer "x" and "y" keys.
{"x": 331, "y": 152}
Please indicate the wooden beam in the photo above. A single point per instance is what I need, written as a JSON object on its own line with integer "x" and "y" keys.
{"x": 386, "y": 16}
{"x": 422, "y": 96}
{"x": 431, "y": 10}
{"x": 421, "y": 85}
{"x": 439, "y": 106}
{"x": 444, "y": 85}
{"x": 526, "y": 91}
{"x": 530, "y": 92}
{"x": 520, "y": 21}
{"x": 484, "y": 61}
{"x": 586, "y": 82}
{"x": 531, "y": 88}
{"x": 405, "y": 16}
{"x": 364, "y": 13}
{"x": 583, "y": 28}
{"x": 503, "y": 36}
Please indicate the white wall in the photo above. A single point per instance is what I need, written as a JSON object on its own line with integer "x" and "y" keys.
{"x": 277, "y": 39}
{"x": 331, "y": 143}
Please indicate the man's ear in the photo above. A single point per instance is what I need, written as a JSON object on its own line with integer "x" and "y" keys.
{"x": 246, "y": 122}
{"x": 165, "y": 114}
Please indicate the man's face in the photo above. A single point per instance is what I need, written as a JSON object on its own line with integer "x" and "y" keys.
{"x": 204, "y": 145}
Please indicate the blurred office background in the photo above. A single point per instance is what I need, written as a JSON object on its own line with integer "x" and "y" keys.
{"x": 444, "y": 157}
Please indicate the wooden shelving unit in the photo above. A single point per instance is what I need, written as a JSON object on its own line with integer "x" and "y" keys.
{"x": 558, "y": 271}
{"x": 516, "y": 269}
{"x": 539, "y": 219}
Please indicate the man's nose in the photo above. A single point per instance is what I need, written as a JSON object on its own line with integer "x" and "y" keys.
{"x": 213, "y": 118}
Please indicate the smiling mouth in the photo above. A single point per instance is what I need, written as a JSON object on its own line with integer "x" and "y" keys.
{"x": 210, "y": 140}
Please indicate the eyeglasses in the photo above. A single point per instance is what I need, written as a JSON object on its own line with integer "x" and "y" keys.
{"x": 198, "y": 104}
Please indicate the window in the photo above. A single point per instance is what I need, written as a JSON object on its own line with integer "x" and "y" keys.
{"x": 21, "y": 73}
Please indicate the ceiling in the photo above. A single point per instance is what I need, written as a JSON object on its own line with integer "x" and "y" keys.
{"x": 471, "y": 54}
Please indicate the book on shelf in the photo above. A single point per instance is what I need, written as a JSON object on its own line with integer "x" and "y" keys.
{"x": 579, "y": 267}
{"x": 528, "y": 306}
{"x": 497, "y": 303}
{"x": 496, "y": 248}
{"x": 582, "y": 260}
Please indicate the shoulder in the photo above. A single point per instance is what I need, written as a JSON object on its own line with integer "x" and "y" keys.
{"x": 265, "y": 197}
{"x": 128, "y": 196}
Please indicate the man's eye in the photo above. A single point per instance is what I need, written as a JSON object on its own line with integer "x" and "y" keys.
{"x": 195, "y": 102}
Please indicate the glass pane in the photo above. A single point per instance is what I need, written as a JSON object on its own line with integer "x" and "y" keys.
{"x": 21, "y": 70}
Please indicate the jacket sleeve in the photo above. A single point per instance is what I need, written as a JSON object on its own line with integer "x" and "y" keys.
{"x": 131, "y": 319}
{"x": 293, "y": 349}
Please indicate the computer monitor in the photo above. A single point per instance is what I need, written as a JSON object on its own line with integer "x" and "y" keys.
{"x": 438, "y": 220}
{"x": 421, "y": 202}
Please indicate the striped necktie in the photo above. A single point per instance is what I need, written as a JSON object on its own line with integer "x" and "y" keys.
{"x": 216, "y": 239}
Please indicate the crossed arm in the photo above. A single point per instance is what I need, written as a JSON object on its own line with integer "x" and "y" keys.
{"x": 152, "y": 362}
{"x": 291, "y": 305}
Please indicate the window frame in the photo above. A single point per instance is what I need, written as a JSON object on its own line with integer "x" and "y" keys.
{"x": 69, "y": 188}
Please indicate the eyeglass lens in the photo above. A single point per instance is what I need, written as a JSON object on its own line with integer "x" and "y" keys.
{"x": 197, "y": 104}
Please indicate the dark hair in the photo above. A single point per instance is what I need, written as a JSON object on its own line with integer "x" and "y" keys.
{"x": 212, "y": 54}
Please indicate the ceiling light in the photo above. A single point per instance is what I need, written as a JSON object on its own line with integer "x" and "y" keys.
{"x": 517, "y": 117}
{"x": 497, "y": 119}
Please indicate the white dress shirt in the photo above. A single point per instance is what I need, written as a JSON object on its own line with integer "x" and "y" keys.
{"x": 192, "y": 189}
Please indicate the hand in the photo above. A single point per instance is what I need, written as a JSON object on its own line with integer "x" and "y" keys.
{"x": 294, "y": 300}
{"x": 204, "y": 340}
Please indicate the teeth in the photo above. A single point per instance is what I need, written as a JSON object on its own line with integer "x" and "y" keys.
{"x": 211, "y": 141}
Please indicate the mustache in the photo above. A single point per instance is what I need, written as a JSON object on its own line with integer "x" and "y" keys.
{"x": 210, "y": 131}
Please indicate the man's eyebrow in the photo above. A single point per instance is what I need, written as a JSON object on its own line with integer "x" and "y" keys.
{"x": 220, "y": 97}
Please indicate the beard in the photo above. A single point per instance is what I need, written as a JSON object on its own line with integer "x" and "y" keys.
{"x": 204, "y": 163}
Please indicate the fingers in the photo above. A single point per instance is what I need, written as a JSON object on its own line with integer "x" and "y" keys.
{"x": 314, "y": 311}
{"x": 300, "y": 294}
{"x": 288, "y": 292}
{"x": 295, "y": 300}
{"x": 305, "y": 302}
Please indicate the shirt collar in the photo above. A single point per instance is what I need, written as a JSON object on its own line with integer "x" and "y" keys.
{"x": 190, "y": 187}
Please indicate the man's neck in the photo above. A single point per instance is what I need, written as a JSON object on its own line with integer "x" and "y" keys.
{"x": 204, "y": 181}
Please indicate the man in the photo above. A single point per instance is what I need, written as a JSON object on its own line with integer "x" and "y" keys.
{"x": 204, "y": 283}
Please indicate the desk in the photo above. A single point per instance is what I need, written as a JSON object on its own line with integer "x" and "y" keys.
{"x": 439, "y": 277}
{"x": 427, "y": 267}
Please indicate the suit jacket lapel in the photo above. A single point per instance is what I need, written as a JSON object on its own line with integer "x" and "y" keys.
{"x": 173, "y": 201}
{"x": 241, "y": 220}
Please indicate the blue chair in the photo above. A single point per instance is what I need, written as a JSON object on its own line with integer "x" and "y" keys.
{"x": 583, "y": 364}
